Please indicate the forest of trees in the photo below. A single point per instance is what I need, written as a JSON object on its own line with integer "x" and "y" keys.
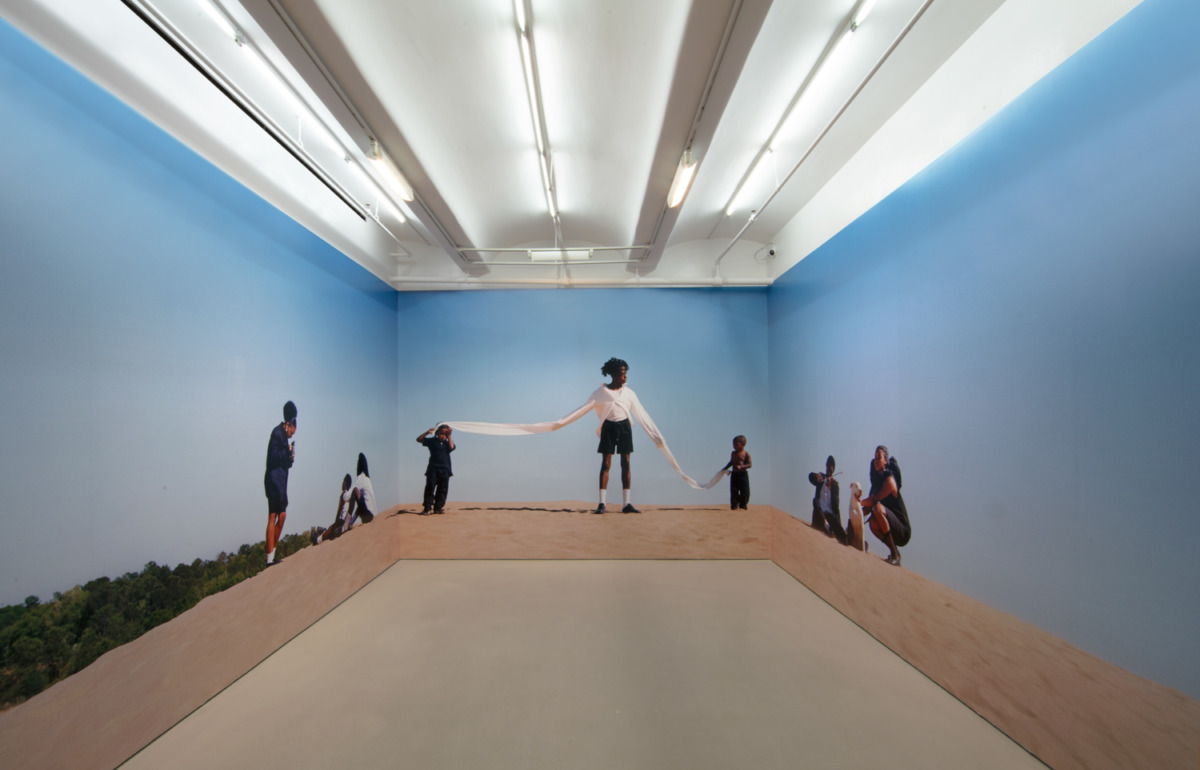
{"x": 43, "y": 642}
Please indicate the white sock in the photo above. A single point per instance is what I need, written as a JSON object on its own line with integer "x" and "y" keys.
{"x": 270, "y": 556}
{"x": 625, "y": 496}
{"x": 603, "y": 494}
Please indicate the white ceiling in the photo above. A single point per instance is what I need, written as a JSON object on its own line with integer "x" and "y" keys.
{"x": 626, "y": 86}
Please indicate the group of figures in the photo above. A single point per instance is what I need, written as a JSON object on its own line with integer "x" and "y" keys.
{"x": 616, "y": 405}
{"x": 883, "y": 509}
{"x": 356, "y": 502}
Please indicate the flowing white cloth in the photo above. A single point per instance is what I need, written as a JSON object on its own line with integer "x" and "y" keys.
{"x": 607, "y": 403}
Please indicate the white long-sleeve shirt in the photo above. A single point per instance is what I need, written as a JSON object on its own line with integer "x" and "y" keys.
{"x": 609, "y": 404}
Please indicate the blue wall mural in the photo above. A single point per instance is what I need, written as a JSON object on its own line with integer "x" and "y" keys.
{"x": 697, "y": 360}
{"x": 1018, "y": 325}
{"x": 154, "y": 317}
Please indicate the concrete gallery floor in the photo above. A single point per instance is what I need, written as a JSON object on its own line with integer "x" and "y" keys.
{"x": 583, "y": 664}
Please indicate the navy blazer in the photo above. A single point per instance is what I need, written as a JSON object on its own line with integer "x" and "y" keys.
{"x": 834, "y": 494}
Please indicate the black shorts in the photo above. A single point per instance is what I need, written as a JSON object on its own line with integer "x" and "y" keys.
{"x": 616, "y": 438}
{"x": 276, "y": 499}
{"x": 900, "y": 529}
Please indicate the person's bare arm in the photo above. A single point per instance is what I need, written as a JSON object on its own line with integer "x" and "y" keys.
{"x": 421, "y": 438}
{"x": 885, "y": 491}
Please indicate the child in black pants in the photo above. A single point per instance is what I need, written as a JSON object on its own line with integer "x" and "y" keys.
{"x": 739, "y": 476}
{"x": 438, "y": 472}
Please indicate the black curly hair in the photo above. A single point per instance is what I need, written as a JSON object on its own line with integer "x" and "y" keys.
{"x": 613, "y": 366}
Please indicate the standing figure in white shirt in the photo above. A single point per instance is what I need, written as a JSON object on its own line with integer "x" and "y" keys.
{"x": 614, "y": 402}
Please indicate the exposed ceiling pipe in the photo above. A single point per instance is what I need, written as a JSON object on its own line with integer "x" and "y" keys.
{"x": 828, "y": 127}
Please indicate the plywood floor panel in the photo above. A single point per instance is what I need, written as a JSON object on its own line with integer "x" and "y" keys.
{"x": 584, "y": 664}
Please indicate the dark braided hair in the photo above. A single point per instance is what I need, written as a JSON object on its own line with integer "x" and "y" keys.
{"x": 613, "y": 367}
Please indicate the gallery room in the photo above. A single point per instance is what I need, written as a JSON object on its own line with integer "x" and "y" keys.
{"x": 963, "y": 231}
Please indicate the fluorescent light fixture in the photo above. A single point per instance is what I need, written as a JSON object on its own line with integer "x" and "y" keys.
{"x": 519, "y": 8}
{"x": 683, "y": 180}
{"x": 864, "y": 10}
{"x": 547, "y": 185}
{"x": 274, "y": 79}
{"x": 756, "y": 172}
{"x": 858, "y": 15}
{"x": 559, "y": 255}
{"x": 224, "y": 23}
{"x": 391, "y": 175}
{"x": 541, "y": 140}
{"x": 532, "y": 90}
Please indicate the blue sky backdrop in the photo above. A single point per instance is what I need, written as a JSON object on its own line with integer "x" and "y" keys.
{"x": 697, "y": 360}
{"x": 1018, "y": 324}
{"x": 154, "y": 317}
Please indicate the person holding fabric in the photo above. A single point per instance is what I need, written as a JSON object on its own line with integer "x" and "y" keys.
{"x": 615, "y": 403}
{"x": 439, "y": 470}
{"x": 612, "y": 402}
{"x": 889, "y": 515}
{"x": 826, "y": 515}
{"x": 280, "y": 457}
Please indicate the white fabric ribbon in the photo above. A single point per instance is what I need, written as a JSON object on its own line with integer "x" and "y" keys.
{"x": 526, "y": 429}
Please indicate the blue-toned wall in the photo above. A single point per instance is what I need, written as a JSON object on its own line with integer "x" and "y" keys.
{"x": 697, "y": 358}
{"x": 1019, "y": 325}
{"x": 154, "y": 317}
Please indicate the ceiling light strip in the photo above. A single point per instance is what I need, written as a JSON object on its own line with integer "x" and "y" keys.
{"x": 158, "y": 22}
{"x": 555, "y": 248}
{"x": 424, "y": 214}
{"x": 594, "y": 283}
{"x": 683, "y": 180}
{"x": 175, "y": 39}
{"x": 730, "y": 22}
{"x": 832, "y": 121}
{"x": 853, "y": 21}
{"x": 393, "y": 179}
{"x": 523, "y": 16}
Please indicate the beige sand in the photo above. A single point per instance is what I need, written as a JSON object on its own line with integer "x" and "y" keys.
{"x": 1069, "y": 708}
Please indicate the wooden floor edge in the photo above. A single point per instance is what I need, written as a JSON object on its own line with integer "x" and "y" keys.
{"x": 1066, "y": 707}
{"x": 1024, "y": 681}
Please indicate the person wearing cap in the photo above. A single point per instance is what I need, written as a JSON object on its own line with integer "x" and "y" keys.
{"x": 280, "y": 456}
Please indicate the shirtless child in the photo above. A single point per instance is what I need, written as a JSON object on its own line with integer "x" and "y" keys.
{"x": 739, "y": 476}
